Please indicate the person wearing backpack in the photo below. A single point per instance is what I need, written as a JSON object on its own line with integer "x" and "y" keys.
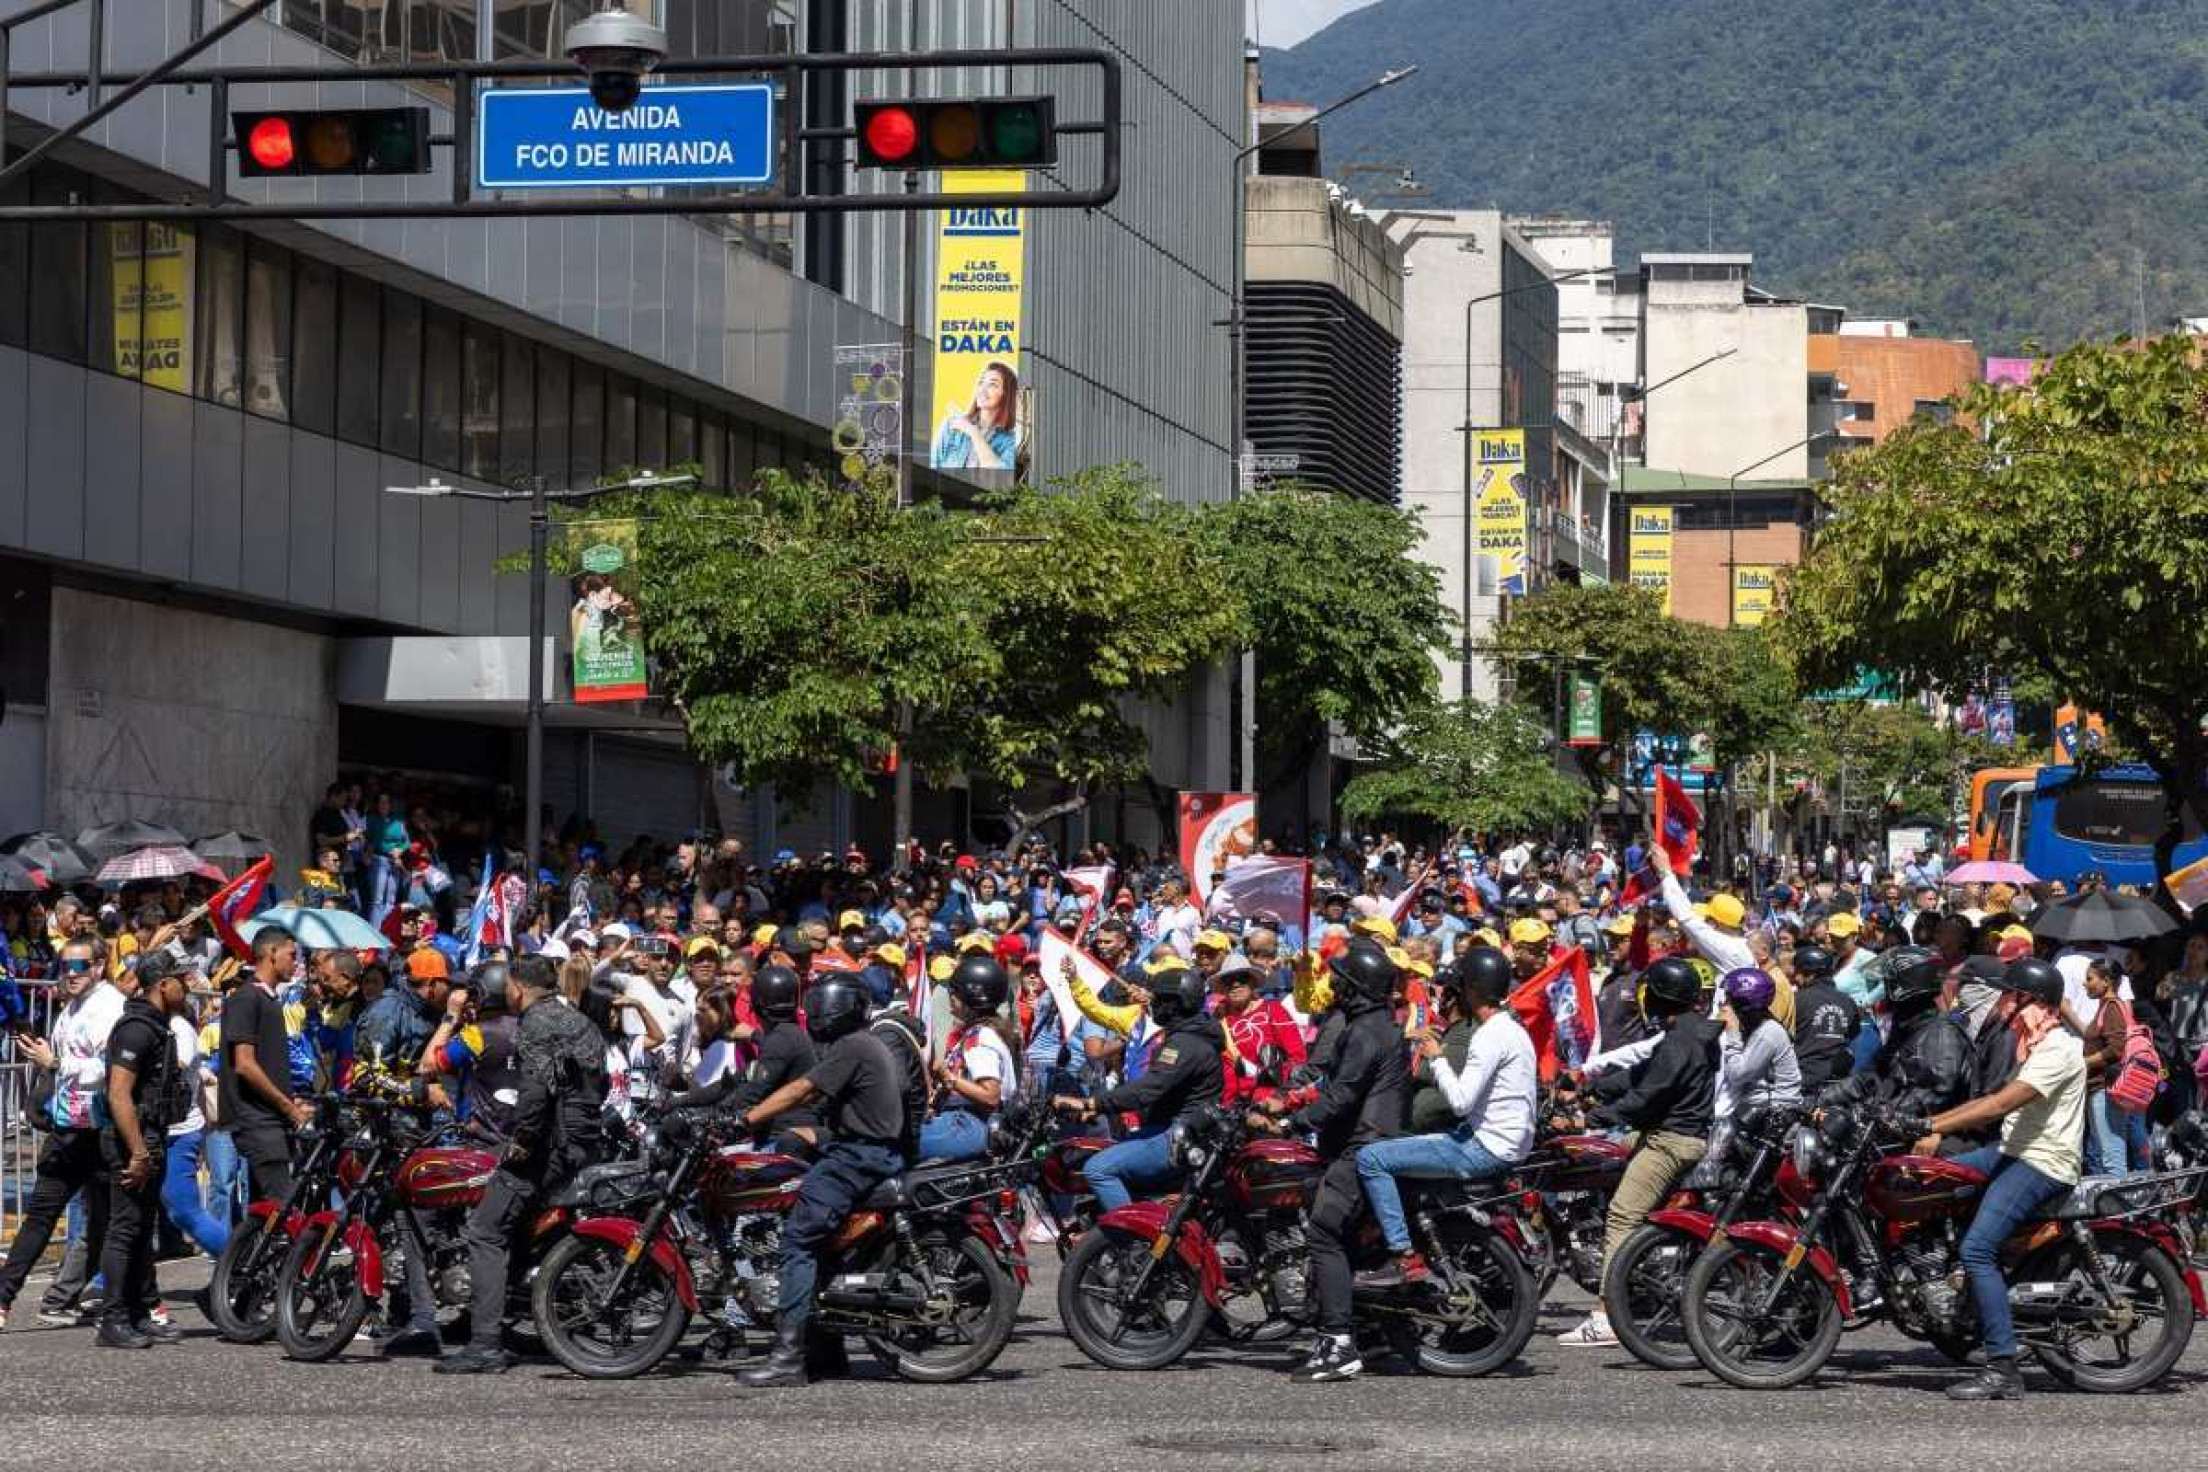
{"x": 2108, "y": 1054}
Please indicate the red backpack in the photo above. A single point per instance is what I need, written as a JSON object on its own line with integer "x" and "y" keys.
{"x": 2137, "y": 1075}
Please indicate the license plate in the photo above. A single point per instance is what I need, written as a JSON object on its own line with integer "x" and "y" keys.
{"x": 1160, "y": 1246}
{"x": 1794, "y": 1256}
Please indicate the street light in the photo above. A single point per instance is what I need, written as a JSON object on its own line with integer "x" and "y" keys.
{"x": 1237, "y": 199}
{"x": 540, "y": 522}
{"x": 1732, "y": 508}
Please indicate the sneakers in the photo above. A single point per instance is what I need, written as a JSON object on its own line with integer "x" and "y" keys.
{"x": 1592, "y": 1333}
{"x": 1999, "y": 1380}
{"x": 159, "y": 1313}
{"x": 158, "y": 1331}
{"x": 118, "y": 1334}
{"x": 413, "y": 1344}
{"x": 1402, "y": 1271}
{"x": 474, "y": 1360}
{"x": 1334, "y": 1357}
{"x": 64, "y": 1318}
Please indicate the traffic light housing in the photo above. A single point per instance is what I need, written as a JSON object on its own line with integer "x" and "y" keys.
{"x": 958, "y": 133}
{"x": 299, "y": 142}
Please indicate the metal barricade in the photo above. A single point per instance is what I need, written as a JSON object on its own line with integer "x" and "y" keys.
{"x": 19, "y": 1139}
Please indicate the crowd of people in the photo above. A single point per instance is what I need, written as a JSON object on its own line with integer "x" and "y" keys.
{"x": 1382, "y": 1020}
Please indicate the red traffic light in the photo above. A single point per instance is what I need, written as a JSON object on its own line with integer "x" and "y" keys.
{"x": 958, "y": 133}
{"x": 891, "y": 135}
{"x": 270, "y": 144}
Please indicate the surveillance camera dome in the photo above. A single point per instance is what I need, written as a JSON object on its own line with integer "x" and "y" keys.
{"x": 616, "y": 49}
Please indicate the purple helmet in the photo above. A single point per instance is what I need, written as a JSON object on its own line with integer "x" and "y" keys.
{"x": 1750, "y": 987}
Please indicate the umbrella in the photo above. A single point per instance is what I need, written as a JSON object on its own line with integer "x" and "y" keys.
{"x": 232, "y": 850}
{"x": 109, "y": 839}
{"x": 2102, "y": 917}
{"x": 319, "y": 930}
{"x": 1991, "y": 871}
{"x": 17, "y": 877}
{"x": 162, "y": 861}
{"x": 56, "y": 857}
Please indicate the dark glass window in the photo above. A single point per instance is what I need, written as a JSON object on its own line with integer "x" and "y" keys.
{"x": 712, "y": 450}
{"x": 268, "y": 330}
{"x": 517, "y": 409}
{"x": 440, "y": 388}
{"x": 620, "y": 424}
{"x": 15, "y": 266}
{"x": 359, "y": 359}
{"x": 587, "y": 455}
{"x": 57, "y": 274}
{"x": 479, "y": 400}
{"x": 651, "y": 428}
{"x": 743, "y": 455}
{"x": 313, "y": 344}
{"x": 118, "y": 285}
{"x": 2107, "y": 811}
{"x": 402, "y": 375}
{"x": 221, "y": 315}
{"x": 682, "y": 431}
{"x": 552, "y": 416}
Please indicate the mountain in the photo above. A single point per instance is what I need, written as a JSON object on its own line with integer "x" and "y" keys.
{"x": 2003, "y": 170}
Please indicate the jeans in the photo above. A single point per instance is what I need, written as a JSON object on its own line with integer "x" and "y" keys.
{"x": 180, "y": 1195}
{"x": 126, "y": 1256}
{"x": 1141, "y": 1159}
{"x": 225, "y": 1175}
{"x": 72, "y": 1161}
{"x": 954, "y": 1134}
{"x": 383, "y": 889}
{"x": 2014, "y": 1193}
{"x": 1421, "y": 1157}
{"x": 2107, "y": 1151}
{"x": 846, "y": 1172}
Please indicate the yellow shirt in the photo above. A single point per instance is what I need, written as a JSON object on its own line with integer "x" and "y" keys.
{"x": 1120, "y": 1019}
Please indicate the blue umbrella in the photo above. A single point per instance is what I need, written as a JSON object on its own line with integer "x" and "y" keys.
{"x": 319, "y": 930}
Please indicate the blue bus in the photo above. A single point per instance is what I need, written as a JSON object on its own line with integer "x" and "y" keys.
{"x": 2062, "y": 825}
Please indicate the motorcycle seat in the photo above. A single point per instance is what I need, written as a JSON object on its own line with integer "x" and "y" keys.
{"x": 2079, "y": 1203}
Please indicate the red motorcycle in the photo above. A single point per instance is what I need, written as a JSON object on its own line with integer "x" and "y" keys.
{"x": 1575, "y": 1175}
{"x": 2101, "y": 1293}
{"x": 1139, "y": 1290}
{"x": 241, "y": 1296}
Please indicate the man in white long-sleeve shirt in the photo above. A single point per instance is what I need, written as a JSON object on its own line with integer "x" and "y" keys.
{"x": 1718, "y": 938}
{"x": 1492, "y": 1096}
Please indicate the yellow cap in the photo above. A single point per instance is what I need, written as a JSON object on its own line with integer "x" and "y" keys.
{"x": 940, "y": 968}
{"x": 1844, "y": 922}
{"x": 1619, "y": 925}
{"x": 1529, "y": 932}
{"x": 1726, "y": 909}
{"x": 851, "y": 920}
{"x": 1378, "y": 926}
{"x": 1418, "y": 968}
{"x": 2013, "y": 932}
{"x": 976, "y": 940}
{"x": 1214, "y": 940}
{"x": 1486, "y": 936}
{"x": 700, "y": 945}
{"x": 763, "y": 935}
{"x": 891, "y": 953}
{"x": 1165, "y": 961}
{"x": 1400, "y": 957}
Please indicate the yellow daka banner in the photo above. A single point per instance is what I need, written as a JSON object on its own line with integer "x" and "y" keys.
{"x": 980, "y": 273}
{"x": 1500, "y": 494}
{"x": 1755, "y": 586}
{"x": 1648, "y": 550}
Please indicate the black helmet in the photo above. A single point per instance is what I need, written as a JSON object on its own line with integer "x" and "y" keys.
{"x": 1485, "y": 976}
{"x": 774, "y": 993}
{"x": 1912, "y": 975}
{"x": 1671, "y": 985}
{"x": 980, "y": 983}
{"x": 2036, "y": 979}
{"x": 834, "y": 1007}
{"x": 1812, "y": 963}
{"x": 1364, "y": 970}
{"x": 1177, "y": 995}
{"x": 488, "y": 979}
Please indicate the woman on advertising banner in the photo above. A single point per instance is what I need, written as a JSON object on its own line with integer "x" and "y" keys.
{"x": 986, "y": 435}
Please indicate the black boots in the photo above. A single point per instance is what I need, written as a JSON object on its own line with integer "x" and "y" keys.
{"x": 785, "y": 1362}
{"x": 1999, "y": 1380}
{"x": 118, "y": 1334}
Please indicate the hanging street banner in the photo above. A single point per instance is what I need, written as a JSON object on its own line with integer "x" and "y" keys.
{"x": 1584, "y": 715}
{"x": 1648, "y": 551}
{"x": 1755, "y": 585}
{"x": 870, "y": 411}
{"x": 151, "y": 268}
{"x": 557, "y": 138}
{"x": 1500, "y": 494}
{"x": 980, "y": 275}
{"x": 1216, "y": 829}
{"x": 604, "y": 629}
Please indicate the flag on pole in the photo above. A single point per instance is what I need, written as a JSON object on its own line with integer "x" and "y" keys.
{"x": 1262, "y": 885}
{"x": 1053, "y": 951}
{"x": 1092, "y": 883}
{"x": 1678, "y": 821}
{"x": 1409, "y": 896}
{"x": 479, "y": 914}
{"x": 239, "y": 900}
{"x": 1556, "y": 1006}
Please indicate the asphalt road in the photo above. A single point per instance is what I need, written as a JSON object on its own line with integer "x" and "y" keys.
{"x": 1043, "y": 1408}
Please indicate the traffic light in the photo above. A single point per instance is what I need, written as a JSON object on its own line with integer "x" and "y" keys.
{"x": 304, "y": 141}
{"x": 965, "y": 133}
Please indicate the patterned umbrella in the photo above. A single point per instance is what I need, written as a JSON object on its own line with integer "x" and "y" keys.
{"x": 17, "y": 877}
{"x": 161, "y": 861}
{"x": 109, "y": 839}
{"x": 231, "y": 851}
{"x": 51, "y": 854}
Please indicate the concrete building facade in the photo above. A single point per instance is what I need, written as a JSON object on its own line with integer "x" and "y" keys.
{"x": 1754, "y": 403}
{"x": 1883, "y": 376}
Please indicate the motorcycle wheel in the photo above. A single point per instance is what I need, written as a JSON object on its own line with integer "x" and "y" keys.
{"x": 2149, "y": 1283}
{"x": 1501, "y": 1321}
{"x": 319, "y": 1302}
{"x": 631, "y": 1337}
{"x": 1643, "y": 1295}
{"x": 1090, "y": 1288}
{"x": 1773, "y": 1351}
{"x": 242, "y": 1304}
{"x": 988, "y": 1303}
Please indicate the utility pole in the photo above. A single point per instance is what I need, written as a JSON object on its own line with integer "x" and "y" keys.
{"x": 901, "y": 781}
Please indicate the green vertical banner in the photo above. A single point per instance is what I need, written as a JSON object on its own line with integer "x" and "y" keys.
{"x": 604, "y": 628}
{"x": 1584, "y": 718}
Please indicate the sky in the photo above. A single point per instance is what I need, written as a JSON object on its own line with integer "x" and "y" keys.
{"x": 1285, "y": 22}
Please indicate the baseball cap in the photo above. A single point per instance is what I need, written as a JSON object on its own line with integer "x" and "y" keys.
{"x": 1214, "y": 940}
{"x": 1163, "y": 962}
{"x": 1529, "y": 932}
{"x": 762, "y": 935}
{"x": 1843, "y": 922}
{"x": 618, "y": 930}
{"x": 891, "y": 954}
{"x": 966, "y": 861}
{"x": 1486, "y": 936}
{"x": 2014, "y": 947}
{"x": 1619, "y": 925}
{"x": 1378, "y": 926}
{"x": 700, "y": 945}
{"x": 976, "y": 940}
{"x": 554, "y": 950}
{"x": 587, "y": 939}
{"x": 1012, "y": 950}
{"x": 941, "y": 967}
{"x": 1726, "y": 909}
{"x": 851, "y": 920}
{"x": 425, "y": 964}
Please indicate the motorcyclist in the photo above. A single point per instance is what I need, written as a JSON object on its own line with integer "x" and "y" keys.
{"x": 1760, "y": 1069}
{"x": 1185, "y": 1075}
{"x": 858, "y": 1086}
{"x": 978, "y": 1075}
{"x": 1925, "y": 1064}
{"x": 785, "y": 1052}
{"x": 1361, "y": 1100}
{"x": 1671, "y": 1100}
{"x": 1826, "y": 1020}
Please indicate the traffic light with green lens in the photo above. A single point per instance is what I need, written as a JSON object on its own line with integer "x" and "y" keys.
{"x": 963, "y": 133}
{"x": 306, "y": 141}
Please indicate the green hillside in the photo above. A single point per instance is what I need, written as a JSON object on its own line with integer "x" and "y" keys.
{"x": 2002, "y": 170}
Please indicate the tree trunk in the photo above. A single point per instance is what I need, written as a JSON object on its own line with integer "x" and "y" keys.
{"x": 1024, "y": 823}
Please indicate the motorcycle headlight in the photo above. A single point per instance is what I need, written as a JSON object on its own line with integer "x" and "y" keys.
{"x": 1810, "y": 1155}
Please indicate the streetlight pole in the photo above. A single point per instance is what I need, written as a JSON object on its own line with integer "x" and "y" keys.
{"x": 540, "y": 536}
{"x": 1732, "y": 509}
{"x": 1238, "y": 370}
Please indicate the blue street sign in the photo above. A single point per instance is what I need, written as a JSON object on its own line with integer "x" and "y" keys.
{"x": 557, "y": 138}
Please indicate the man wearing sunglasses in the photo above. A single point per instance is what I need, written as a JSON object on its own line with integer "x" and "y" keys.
{"x": 75, "y": 1053}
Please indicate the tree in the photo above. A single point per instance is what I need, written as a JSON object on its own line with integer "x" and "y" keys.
{"x": 1344, "y": 617}
{"x": 1467, "y": 767}
{"x": 2071, "y": 543}
{"x": 1906, "y": 761}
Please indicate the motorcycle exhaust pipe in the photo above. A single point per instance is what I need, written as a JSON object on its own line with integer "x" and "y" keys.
{"x": 867, "y": 1293}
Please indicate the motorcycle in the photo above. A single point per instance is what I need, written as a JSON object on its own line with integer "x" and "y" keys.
{"x": 919, "y": 1269}
{"x": 2097, "y": 1282}
{"x": 1648, "y": 1274}
{"x": 241, "y": 1295}
{"x": 1575, "y": 1174}
{"x": 1139, "y": 1290}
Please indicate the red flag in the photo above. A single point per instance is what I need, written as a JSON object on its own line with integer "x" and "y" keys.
{"x": 1678, "y": 821}
{"x": 1556, "y": 1007}
{"x": 1409, "y": 896}
{"x": 1093, "y": 884}
{"x": 1262, "y": 885}
{"x": 238, "y": 900}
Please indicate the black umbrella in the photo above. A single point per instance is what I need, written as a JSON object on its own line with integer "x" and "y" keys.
{"x": 2099, "y": 916}
{"x": 109, "y": 839}
{"x": 232, "y": 850}
{"x": 18, "y": 877}
{"x": 52, "y": 855}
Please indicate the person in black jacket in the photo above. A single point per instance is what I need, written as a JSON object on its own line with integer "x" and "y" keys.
{"x": 1184, "y": 1075}
{"x": 1826, "y": 1021}
{"x": 1925, "y": 1066}
{"x": 785, "y": 1053}
{"x": 1671, "y": 1102}
{"x": 145, "y": 1095}
{"x": 1362, "y": 1099}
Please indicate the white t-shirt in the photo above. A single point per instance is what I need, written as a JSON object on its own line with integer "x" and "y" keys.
{"x": 186, "y": 1038}
{"x": 986, "y": 1057}
{"x": 2048, "y": 1134}
{"x": 1177, "y": 927}
{"x": 1515, "y": 858}
{"x": 1496, "y": 1088}
{"x": 713, "y": 1060}
{"x": 677, "y": 1020}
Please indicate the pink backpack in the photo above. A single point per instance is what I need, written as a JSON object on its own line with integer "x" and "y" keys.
{"x": 2137, "y": 1077}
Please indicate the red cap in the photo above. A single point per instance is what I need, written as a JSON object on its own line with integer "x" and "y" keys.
{"x": 1012, "y": 950}
{"x": 967, "y": 861}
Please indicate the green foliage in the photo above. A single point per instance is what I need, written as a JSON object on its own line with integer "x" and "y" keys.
{"x": 1904, "y": 760}
{"x": 2071, "y": 546}
{"x": 1467, "y": 767}
{"x": 1657, "y": 673}
{"x": 2000, "y": 169}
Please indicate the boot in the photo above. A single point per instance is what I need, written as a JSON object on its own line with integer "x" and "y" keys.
{"x": 118, "y": 1334}
{"x": 1999, "y": 1380}
{"x": 785, "y": 1362}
